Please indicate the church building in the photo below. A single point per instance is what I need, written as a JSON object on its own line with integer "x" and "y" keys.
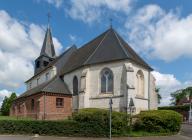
{"x": 87, "y": 77}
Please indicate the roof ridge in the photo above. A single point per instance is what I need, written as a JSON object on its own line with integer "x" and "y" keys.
{"x": 120, "y": 43}
{"x": 106, "y": 33}
{"x": 133, "y": 53}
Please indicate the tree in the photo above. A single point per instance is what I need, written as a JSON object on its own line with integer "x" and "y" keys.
{"x": 7, "y": 102}
{"x": 158, "y": 95}
{"x": 178, "y": 95}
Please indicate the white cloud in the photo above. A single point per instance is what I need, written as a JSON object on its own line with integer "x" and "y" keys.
{"x": 56, "y": 3}
{"x": 20, "y": 44}
{"x": 91, "y": 10}
{"x": 160, "y": 34}
{"x": 168, "y": 83}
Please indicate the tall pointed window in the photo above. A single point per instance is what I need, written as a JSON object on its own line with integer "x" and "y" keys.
{"x": 106, "y": 81}
{"x": 75, "y": 86}
{"x": 32, "y": 104}
{"x": 140, "y": 83}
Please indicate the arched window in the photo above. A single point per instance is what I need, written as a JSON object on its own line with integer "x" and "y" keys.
{"x": 75, "y": 86}
{"x": 32, "y": 104}
{"x": 106, "y": 81}
{"x": 140, "y": 83}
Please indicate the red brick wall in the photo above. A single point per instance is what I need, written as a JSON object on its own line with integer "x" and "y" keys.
{"x": 54, "y": 112}
{"x": 51, "y": 111}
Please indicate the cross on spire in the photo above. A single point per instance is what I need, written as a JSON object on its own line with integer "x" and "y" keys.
{"x": 48, "y": 17}
{"x": 111, "y": 22}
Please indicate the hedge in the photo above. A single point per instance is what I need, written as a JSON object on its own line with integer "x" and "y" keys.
{"x": 88, "y": 122}
{"x": 179, "y": 108}
{"x": 101, "y": 117}
{"x": 164, "y": 121}
{"x": 59, "y": 128}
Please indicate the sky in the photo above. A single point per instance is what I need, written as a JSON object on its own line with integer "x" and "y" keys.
{"x": 160, "y": 31}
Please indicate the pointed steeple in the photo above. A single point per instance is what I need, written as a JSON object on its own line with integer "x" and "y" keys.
{"x": 47, "y": 52}
{"x": 48, "y": 47}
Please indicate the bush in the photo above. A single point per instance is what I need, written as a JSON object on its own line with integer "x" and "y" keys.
{"x": 100, "y": 117}
{"x": 179, "y": 108}
{"x": 88, "y": 122}
{"x": 158, "y": 121}
{"x": 59, "y": 128}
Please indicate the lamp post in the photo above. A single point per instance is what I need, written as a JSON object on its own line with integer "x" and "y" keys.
{"x": 110, "y": 114}
{"x": 190, "y": 113}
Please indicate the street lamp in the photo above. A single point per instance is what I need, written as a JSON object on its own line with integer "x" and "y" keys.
{"x": 190, "y": 113}
{"x": 110, "y": 114}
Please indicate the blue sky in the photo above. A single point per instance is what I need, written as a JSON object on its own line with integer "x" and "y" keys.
{"x": 159, "y": 30}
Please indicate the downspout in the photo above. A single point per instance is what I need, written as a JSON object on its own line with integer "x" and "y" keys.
{"x": 149, "y": 89}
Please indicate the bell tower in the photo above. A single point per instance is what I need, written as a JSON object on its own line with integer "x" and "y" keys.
{"x": 47, "y": 51}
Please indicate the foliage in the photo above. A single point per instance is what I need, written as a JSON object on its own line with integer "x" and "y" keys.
{"x": 179, "y": 108}
{"x": 88, "y": 122}
{"x": 163, "y": 121}
{"x": 158, "y": 95}
{"x": 178, "y": 95}
{"x": 7, "y": 102}
{"x": 101, "y": 117}
{"x": 95, "y": 123}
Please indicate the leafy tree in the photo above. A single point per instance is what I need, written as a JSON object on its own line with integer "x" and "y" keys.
{"x": 7, "y": 102}
{"x": 158, "y": 95}
{"x": 178, "y": 95}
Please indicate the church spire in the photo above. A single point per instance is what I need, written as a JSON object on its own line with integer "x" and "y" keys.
{"x": 48, "y": 47}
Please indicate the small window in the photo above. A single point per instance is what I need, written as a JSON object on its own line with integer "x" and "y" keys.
{"x": 32, "y": 104}
{"x": 47, "y": 76}
{"x": 59, "y": 102}
{"x": 45, "y": 63}
{"x": 37, "y": 64}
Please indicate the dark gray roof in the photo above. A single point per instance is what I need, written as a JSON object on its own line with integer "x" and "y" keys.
{"x": 108, "y": 46}
{"x": 48, "y": 47}
{"x": 59, "y": 62}
{"x": 55, "y": 85}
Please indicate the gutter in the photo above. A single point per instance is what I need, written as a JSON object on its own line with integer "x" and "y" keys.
{"x": 149, "y": 87}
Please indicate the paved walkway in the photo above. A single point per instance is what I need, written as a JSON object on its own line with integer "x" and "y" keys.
{"x": 186, "y": 134}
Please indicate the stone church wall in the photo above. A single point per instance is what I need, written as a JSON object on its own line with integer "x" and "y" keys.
{"x": 93, "y": 98}
{"x": 42, "y": 78}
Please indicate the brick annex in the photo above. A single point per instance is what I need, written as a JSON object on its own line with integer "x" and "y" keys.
{"x": 86, "y": 77}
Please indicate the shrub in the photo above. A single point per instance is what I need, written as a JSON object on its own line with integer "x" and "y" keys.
{"x": 88, "y": 122}
{"x": 59, "y": 128}
{"x": 100, "y": 117}
{"x": 179, "y": 108}
{"x": 158, "y": 121}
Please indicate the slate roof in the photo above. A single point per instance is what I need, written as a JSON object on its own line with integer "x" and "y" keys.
{"x": 109, "y": 46}
{"x": 64, "y": 56}
{"x": 48, "y": 47}
{"x": 55, "y": 85}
